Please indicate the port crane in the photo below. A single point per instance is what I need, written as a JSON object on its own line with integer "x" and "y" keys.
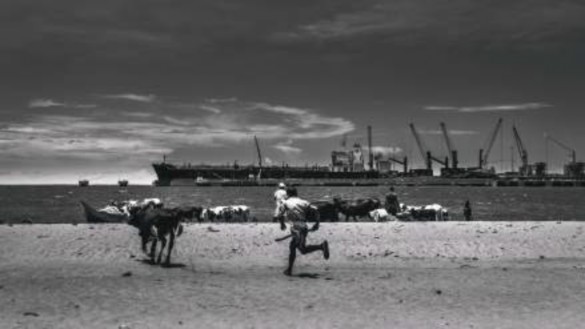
{"x": 403, "y": 162}
{"x": 452, "y": 152}
{"x": 563, "y": 146}
{"x": 524, "y": 168}
{"x": 483, "y": 157}
{"x": 259, "y": 157}
{"x": 425, "y": 153}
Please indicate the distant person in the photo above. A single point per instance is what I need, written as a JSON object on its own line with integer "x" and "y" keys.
{"x": 279, "y": 196}
{"x": 392, "y": 206}
{"x": 296, "y": 212}
{"x": 467, "y": 211}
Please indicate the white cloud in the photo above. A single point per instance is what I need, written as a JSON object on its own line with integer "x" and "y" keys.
{"x": 222, "y": 100}
{"x": 42, "y": 103}
{"x": 490, "y": 108}
{"x": 137, "y": 114}
{"x": 133, "y": 97}
{"x": 84, "y": 106}
{"x": 386, "y": 150}
{"x": 208, "y": 108}
{"x": 307, "y": 124}
{"x": 45, "y": 103}
{"x": 286, "y": 147}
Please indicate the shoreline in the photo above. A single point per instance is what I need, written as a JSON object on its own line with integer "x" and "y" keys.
{"x": 380, "y": 275}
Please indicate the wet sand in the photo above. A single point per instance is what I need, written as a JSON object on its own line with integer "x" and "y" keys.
{"x": 380, "y": 275}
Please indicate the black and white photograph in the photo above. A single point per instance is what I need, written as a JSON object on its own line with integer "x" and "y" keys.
{"x": 292, "y": 164}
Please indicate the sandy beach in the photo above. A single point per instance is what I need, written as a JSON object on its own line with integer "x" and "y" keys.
{"x": 380, "y": 275}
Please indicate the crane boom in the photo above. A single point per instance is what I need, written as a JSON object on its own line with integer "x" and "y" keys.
{"x": 404, "y": 163}
{"x": 426, "y": 155}
{"x": 491, "y": 142}
{"x": 452, "y": 152}
{"x": 558, "y": 143}
{"x": 447, "y": 139}
{"x": 521, "y": 149}
{"x": 258, "y": 150}
{"x": 419, "y": 143}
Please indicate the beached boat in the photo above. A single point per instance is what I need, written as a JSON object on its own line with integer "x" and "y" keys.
{"x": 96, "y": 216}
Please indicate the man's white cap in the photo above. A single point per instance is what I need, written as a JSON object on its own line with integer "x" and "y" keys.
{"x": 281, "y": 184}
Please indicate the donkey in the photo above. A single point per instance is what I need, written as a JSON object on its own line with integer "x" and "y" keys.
{"x": 155, "y": 224}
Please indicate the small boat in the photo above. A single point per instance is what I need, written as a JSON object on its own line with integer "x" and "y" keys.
{"x": 83, "y": 182}
{"x": 123, "y": 183}
{"x": 96, "y": 216}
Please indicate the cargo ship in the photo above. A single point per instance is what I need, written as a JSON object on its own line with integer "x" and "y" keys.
{"x": 252, "y": 174}
{"x": 346, "y": 165}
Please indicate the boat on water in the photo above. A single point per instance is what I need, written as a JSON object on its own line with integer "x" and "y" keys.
{"x": 83, "y": 182}
{"x": 122, "y": 182}
{"x": 93, "y": 215}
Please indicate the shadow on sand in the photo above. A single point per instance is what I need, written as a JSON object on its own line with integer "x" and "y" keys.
{"x": 172, "y": 265}
{"x": 308, "y": 275}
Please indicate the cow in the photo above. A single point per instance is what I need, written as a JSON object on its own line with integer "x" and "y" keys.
{"x": 356, "y": 208}
{"x": 380, "y": 214}
{"x": 241, "y": 213}
{"x": 191, "y": 213}
{"x": 155, "y": 224}
{"x": 132, "y": 206}
{"x": 432, "y": 212}
{"x": 328, "y": 211}
{"x": 238, "y": 213}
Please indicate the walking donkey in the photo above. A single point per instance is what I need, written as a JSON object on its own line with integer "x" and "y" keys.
{"x": 155, "y": 224}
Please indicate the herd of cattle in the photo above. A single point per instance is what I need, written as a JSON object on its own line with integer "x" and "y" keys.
{"x": 329, "y": 211}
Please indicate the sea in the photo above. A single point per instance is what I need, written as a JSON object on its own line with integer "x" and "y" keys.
{"x": 61, "y": 204}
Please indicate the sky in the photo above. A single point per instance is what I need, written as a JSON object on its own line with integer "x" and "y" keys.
{"x": 100, "y": 90}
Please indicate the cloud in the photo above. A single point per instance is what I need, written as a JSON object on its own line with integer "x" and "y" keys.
{"x": 84, "y": 106}
{"x": 531, "y": 24}
{"x": 490, "y": 108}
{"x": 286, "y": 147}
{"x": 137, "y": 114}
{"x": 45, "y": 103}
{"x": 42, "y": 103}
{"x": 386, "y": 150}
{"x": 306, "y": 124}
{"x": 221, "y": 100}
{"x": 209, "y": 108}
{"x": 232, "y": 123}
{"x": 133, "y": 97}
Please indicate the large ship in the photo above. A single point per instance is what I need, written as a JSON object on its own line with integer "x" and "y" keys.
{"x": 252, "y": 174}
{"x": 346, "y": 165}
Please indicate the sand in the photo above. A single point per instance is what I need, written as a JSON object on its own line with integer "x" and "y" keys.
{"x": 380, "y": 275}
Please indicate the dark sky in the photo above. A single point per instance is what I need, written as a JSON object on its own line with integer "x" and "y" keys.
{"x": 100, "y": 89}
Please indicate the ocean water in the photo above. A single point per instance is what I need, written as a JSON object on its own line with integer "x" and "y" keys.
{"x": 60, "y": 204}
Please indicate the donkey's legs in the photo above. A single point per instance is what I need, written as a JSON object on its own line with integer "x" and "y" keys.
{"x": 170, "y": 249}
{"x": 163, "y": 243}
{"x": 152, "y": 253}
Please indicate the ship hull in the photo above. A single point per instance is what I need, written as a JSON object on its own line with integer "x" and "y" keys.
{"x": 168, "y": 173}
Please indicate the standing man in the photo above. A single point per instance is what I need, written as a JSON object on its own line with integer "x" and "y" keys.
{"x": 392, "y": 205}
{"x": 279, "y": 197}
{"x": 467, "y": 211}
{"x": 297, "y": 211}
